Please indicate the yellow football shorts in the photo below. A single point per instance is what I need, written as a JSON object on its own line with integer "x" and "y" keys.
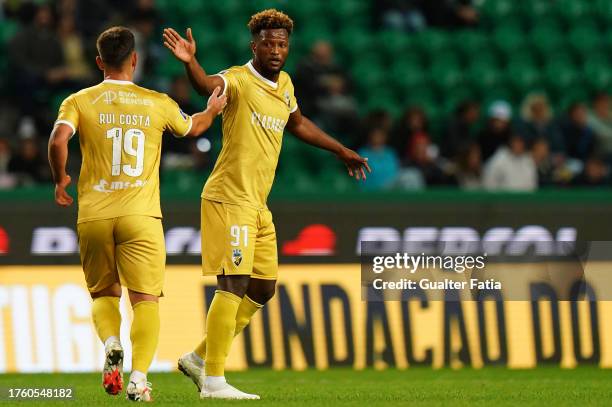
{"x": 238, "y": 240}
{"x": 129, "y": 250}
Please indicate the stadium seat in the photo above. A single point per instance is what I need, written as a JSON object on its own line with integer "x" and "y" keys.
{"x": 483, "y": 75}
{"x": 560, "y": 76}
{"x": 603, "y": 11}
{"x": 597, "y": 72}
{"x": 470, "y": 43}
{"x": 573, "y": 10}
{"x": 445, "y": 72}
{"x": 507, "y": 38}
{"x": 352, "y": 41}
{"x": 432, "y": 43}
{"x": 546, "y": 38}
{"x": 585, "y": 38}
{"x": 406, "y": 76}
{"x": 395, "y": 44}
{"x": 498, "y": 10}
{"x": 523, "y": 75}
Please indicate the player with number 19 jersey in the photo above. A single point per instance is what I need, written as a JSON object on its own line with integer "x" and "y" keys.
{"x": 120, "y": 128}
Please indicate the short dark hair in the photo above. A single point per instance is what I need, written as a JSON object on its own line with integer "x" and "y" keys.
{"x": 115, "y": 45}
{"x": 268, "y": 20}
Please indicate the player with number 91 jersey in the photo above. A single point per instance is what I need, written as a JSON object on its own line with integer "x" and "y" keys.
{"x": 120, "y": 127}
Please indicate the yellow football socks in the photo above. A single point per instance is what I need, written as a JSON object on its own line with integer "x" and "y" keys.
{"x": 246, "y": 310}
{"x": 144, "y": 334}
{"x": 220, "y": 326}
{"x": 106, "y": 317}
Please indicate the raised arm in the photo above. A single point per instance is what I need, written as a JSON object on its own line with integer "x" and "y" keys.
{"x": 184, "y": 50}
{"x": 304, "y": 129}
{"x": 203, "y": 120}
{"x": 58, "y": 155}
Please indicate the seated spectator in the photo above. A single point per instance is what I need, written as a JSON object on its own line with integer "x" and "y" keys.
{"x": 600, "y": 120}
{"x": 578, "y": 137}
{"x": 402, "y": 15}
{"x": 314, "y": 78}
{"x": 468, "y": 170}
{"x": 540, "y": 152}
{"x": 375, "y": 119}
{"x": 338, "y": 109}
{"x": 423, "y": 155}
{"x": 7, "y": 180}
{"x": 450, "y": 13}
{"x": 382, "y": 159}
{"x": 412, "y": 122}
{"x": 78, "y": 70}
{"x": 28, "y": 165}
{"x": 498, "y": 129}
{"x": 537, "y": 122}
{"x": 36, "y": 56}
{"x": 594, "y": 174}
{"x": 511, "y": 168}
{"x": 461, "y": 129}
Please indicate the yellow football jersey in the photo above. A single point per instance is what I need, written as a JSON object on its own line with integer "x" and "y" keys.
{"x": 254, "y": 118}
{"x": 120, "y": 127}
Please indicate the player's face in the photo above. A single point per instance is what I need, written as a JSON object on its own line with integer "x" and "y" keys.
{"x": 271, "y": 49}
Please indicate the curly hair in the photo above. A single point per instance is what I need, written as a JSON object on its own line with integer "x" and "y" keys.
{"x": 270, "y": 19}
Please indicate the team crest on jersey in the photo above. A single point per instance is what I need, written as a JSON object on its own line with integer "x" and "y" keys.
{"x": 287, "y": 99}
{"x": 237, "y": 256}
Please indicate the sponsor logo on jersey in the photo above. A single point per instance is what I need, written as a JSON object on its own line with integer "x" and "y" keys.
{"x": 106, "y": 187}
{"x": 107, "y": 97}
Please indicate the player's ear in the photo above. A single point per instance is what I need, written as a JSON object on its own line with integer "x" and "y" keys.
{"x": 253, "y": 47}
{"x": 134, "y": 60}
{"x": 99, "y": 62}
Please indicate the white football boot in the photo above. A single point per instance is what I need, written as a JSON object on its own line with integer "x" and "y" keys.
{"x": 218, "y": 388}
{"x": 139, "y": 390}
{"x": 192, "y": 366}
{"x": 112, "y": 373}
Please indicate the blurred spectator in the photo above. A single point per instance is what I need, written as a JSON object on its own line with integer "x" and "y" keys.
{"x": 403, "y": 15}
{"x": 338, "y": 109}
{"x": 578, "y": 137}
{"x": 537, "y": 122}
{"x": 540, "y": 152}
{"x": 461, "y": 129}
{"x": 315, "y": 78}
{"x": 423, "y": 156}
{"x": 180, "y": 92}
{"x": 498, "y": 129}
{"x": 595, "y": 174}
{"x": 412, "y": 123}
{"x": 28, "y": 164}
{"x": 78, "y": 70}
{"x": 7, "y": 180}
{"x": 36, "y": 56}
{"x": 450, "y": 13}
{"x": 469, "y": 167}
{"x": 382, "y": 159}
{"x": 143, "y": 23}
{"x": 600, "y": 120}
{"x": 511, "y": 168}
{"x": 375, "y": 119}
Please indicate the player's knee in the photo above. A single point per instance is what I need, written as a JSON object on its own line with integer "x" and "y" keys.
{"x": 113, "y": 290}
{"x": 236, "y": 285}
{"x": 262, "y": 292}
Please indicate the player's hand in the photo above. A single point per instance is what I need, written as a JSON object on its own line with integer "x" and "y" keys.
{"x": 355, "y": 164}
{"x": 61, "y": 196}
{"x": 183, "y": 49}
{"x": 216, "y": 103}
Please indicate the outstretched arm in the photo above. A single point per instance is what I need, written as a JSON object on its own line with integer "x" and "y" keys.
{"x": 184, "y": 50}
{"x": 58, "y": 155}
{"x": 203, "y": 120}
{"x": 304, "y": 129}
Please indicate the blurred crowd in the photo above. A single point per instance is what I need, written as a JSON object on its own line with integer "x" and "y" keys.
{"x": 476, "y": 146}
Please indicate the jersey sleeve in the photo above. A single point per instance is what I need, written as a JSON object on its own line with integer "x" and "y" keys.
{"x": 177, "y": 121}
{"x": 233, "y": 80}
{"x": 293, "y": 103}
{"x": 68, "y": 114}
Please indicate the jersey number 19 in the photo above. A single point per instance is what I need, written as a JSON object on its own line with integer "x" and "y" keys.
{"x": 116, "y": 133}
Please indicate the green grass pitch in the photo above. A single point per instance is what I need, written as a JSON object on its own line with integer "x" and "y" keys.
{"x": 414, "y": 387}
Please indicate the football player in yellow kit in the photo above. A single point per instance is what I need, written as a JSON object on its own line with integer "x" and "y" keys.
{"x": 120, "y": 127}
{"x": 238, "y": 235}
